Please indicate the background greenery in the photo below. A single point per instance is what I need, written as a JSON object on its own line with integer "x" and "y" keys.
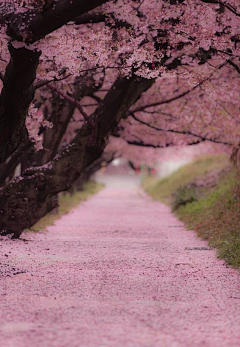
{"x": 204, "y": 196}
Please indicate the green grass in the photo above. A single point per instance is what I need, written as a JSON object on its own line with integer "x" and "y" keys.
{"x": 215, "y": 213}
{"x": 164, "y": 188}
{"x": 66, "y": 203}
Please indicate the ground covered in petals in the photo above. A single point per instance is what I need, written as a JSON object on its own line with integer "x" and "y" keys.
{"x": 119, "y": 270}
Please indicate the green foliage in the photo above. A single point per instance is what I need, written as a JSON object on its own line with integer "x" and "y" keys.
{"x": 213, "y": 213}
{"x": 216, "y": 218}
{"x": 183, "y": 196}
{"x": 66, "y": 203}
{"x": 164, "y": 188}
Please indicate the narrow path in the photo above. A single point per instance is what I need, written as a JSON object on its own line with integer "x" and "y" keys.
{"x": 118, "y": 271}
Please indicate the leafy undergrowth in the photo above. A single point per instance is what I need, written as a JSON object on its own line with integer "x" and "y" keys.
{"x": 202, "y": 195}
{"x": 66, "y": 203}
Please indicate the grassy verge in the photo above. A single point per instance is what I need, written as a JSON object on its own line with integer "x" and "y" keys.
{"x": 213, "y": 211}
{"x": 66, "y": 203}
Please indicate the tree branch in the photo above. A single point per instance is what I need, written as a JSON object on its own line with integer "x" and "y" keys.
{"x": 167, "y": 101}
{"x": 74, "y": 102}
{"x": 140, "y": 143}
{"x": 39, "y": 24}
{"x": 87, "y": 18}
{"x": 43, "y": 83}
{"x": 181, "y": 132}
{"x": 224, "y": 4}
{"x": 236, "y": 67}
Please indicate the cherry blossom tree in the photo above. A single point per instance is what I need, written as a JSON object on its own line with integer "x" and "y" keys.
{"x": 155, "y": 73}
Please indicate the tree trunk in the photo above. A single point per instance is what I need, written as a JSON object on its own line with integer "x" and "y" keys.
{"x": 26, "y": 199}
{"x": 61, "y": 114}
{"x": 15, "y": 98}
{"x": 91, "y": 169}
{"x": 8, "y": 168}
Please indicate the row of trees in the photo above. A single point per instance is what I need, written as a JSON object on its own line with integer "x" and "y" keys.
{"x": 73, "y": 73}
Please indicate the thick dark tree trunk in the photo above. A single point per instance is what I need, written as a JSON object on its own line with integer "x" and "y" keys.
{"x": 61, "y": 114}
{"x": 26, "y": 199}
{"x": 92, "y": 169}
{"x": 7, "y": 168}
{"x": 15, "y": 98}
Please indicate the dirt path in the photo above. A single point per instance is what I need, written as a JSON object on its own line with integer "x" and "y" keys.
{"x": 118, "y": 271}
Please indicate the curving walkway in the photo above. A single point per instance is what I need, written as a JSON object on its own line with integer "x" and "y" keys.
{"x": 118, "y": 271}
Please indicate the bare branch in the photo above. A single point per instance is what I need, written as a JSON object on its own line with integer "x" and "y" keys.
{"x": 236, "y": 67}
{"x": 43, "y": 83}
{"x": 39, "y": 24}
{"x": 224, "y": 4}
{"x": 181, "y": 132}
{"x": 140, "y": 143}
{"x": 94, "y": 17}
{"x": 167, "y": 101}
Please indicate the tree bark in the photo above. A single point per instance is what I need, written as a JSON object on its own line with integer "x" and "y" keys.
{"x": 61, "y": 114}
{"x": 37, "y": 24}
{"x": 15, "y": 98}
{"x": 92, "y": 169}
{"x": 26, "y": 199}
{"x": 7, "y": 168}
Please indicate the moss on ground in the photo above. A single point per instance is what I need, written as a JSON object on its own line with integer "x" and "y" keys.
{"x": 67, "y": 201}
{"x": 215, "y": 213}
